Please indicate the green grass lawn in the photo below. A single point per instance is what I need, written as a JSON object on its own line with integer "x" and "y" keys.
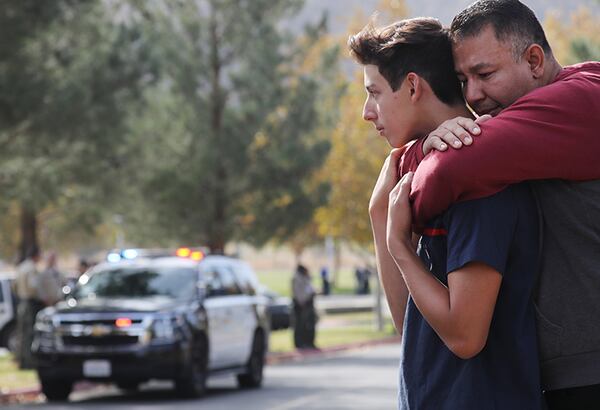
{"x": 11, "y": 377}
{"x": 335, "y": 330}
{"x": 281, "y": 281}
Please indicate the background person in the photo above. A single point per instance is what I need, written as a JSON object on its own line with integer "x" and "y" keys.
{"x": 50, "y": 282}
{"x": 305, "y": 316}
{"x": 27, "y": 287}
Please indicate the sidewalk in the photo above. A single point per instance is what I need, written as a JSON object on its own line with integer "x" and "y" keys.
{"x": 332, "y": 304}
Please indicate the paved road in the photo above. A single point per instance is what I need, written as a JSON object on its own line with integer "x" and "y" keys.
{"x": 360, "y": 379}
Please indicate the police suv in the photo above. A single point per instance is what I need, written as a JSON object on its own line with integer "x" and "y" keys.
{"x": 8, "y": 313}
{"x": 175, "y": 317}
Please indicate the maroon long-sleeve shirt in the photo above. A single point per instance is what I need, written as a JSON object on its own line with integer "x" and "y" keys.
{"x": 551, "y": 133}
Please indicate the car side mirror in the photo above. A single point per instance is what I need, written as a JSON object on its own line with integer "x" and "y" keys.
{"x": 201, "y": 290}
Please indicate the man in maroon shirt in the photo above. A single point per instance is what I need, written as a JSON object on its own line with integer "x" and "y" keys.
{"x": 544, "y": 127}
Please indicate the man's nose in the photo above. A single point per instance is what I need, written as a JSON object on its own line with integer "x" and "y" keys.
{"x": 473, "y": 93}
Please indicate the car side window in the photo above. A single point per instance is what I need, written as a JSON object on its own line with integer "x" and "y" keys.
{"x": 220, "y": 280}
{"x": 245, "y": 278}
{"x": 2, "y": 285}
{"x": 228, "y": 280}
{"x": 214, "y": 287}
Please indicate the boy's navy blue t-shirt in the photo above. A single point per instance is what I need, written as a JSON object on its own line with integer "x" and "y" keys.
{"x": 502, "y": 232}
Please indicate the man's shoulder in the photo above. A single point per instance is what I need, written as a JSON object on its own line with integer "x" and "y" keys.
{"x": 580, "y": 70}
{"x": 26, "y": 266}
{"x": 499, "y": 208}
{"x": 509, "y": 195}
{"x": 573, "y": 82}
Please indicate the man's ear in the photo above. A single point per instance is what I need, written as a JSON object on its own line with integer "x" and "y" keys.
{"x": 535, "y": 57}
{"x": 414, "y": 85}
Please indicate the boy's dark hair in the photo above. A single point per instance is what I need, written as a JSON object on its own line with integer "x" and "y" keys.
{"x": 511, "y": 20}
{"x": 419, "y": 45}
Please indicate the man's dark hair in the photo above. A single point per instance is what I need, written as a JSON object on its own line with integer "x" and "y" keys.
{"x": 419, "y": 45}
{"x": 511, "y": 20}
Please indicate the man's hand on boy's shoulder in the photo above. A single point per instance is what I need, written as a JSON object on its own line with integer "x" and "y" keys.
{"x": 454, "y": 132}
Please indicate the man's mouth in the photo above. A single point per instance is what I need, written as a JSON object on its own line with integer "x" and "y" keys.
{"x": 493, "y": 111}
{"x": 380, "y": 130}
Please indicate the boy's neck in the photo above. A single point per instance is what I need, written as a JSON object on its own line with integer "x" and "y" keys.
{"x": 446, "y": 112}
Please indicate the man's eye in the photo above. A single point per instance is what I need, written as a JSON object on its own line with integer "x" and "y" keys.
{"x": 485, "y": 75}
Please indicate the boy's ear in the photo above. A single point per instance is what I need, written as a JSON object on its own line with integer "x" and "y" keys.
{"x": 414, "y": 85}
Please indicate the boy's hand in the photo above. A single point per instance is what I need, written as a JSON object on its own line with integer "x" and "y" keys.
{"x": 388, "y": 177}
{"x": 399, "y": 215}
{"x": 454, "y": 132}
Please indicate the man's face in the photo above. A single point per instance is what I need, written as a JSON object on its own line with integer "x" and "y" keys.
{"x": 388, "y": 110}
{"x": 492, "y": 79}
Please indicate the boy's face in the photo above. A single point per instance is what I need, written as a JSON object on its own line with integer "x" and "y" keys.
{"x": 390, "y": 111}
{"x": 491, "y": 76}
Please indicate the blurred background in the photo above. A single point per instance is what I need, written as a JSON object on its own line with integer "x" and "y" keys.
{"x": 230, "y": 124}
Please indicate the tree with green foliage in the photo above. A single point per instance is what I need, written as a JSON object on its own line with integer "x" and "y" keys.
{"x": 232, "y": 136}
{"x": 68, "y": 72}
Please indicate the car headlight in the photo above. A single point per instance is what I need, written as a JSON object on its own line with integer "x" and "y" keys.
{"x": 165, "y": 328}
{"x": 44, "y": 336}
{"x": 43, "y": 322}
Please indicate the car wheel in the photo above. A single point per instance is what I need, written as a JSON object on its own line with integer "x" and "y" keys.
{"x": 56, "y": 390}
{"x": 254, "y": 368}
{"x": 192, "y": 383}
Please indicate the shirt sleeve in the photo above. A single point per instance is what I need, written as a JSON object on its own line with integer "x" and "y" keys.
{"x": 412, "y": 156}
{"x": 481, "y": 230}
{"x": 551, "y": 133}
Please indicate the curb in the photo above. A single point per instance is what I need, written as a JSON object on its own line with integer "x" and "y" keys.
{"x": 30, "y": 394}
{"x": 22, "y": 395}
{"x": 298, "y": 355}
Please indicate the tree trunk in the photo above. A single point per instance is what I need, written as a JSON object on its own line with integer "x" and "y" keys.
{"x": 29, "y": 235}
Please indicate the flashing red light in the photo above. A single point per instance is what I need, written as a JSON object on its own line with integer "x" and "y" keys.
{"x": 123, "y": 322}
{"x": 183, "y": 252}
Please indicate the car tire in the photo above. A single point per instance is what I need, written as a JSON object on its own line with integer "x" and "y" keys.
{"x": 192, "y": 383}
{"x": 56, "y": 390}
{"x": 254, "y": 368}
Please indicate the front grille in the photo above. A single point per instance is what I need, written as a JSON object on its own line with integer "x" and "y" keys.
{"x": 106, "y": 322}
{"x": 109, "y": 340}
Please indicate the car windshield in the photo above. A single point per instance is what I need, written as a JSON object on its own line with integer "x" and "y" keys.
{"x": 173, "y": 283}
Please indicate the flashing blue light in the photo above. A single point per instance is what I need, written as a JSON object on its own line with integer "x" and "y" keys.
{"x": 113, "y": 257}
{"x": 130, "y": 253}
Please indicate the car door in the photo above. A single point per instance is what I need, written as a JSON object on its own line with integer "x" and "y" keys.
{"x": 6, "y": 306}
{"x": 219, "y": 321}
{"x": 237, "y": 312}
{"x": 246, "y": 309}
